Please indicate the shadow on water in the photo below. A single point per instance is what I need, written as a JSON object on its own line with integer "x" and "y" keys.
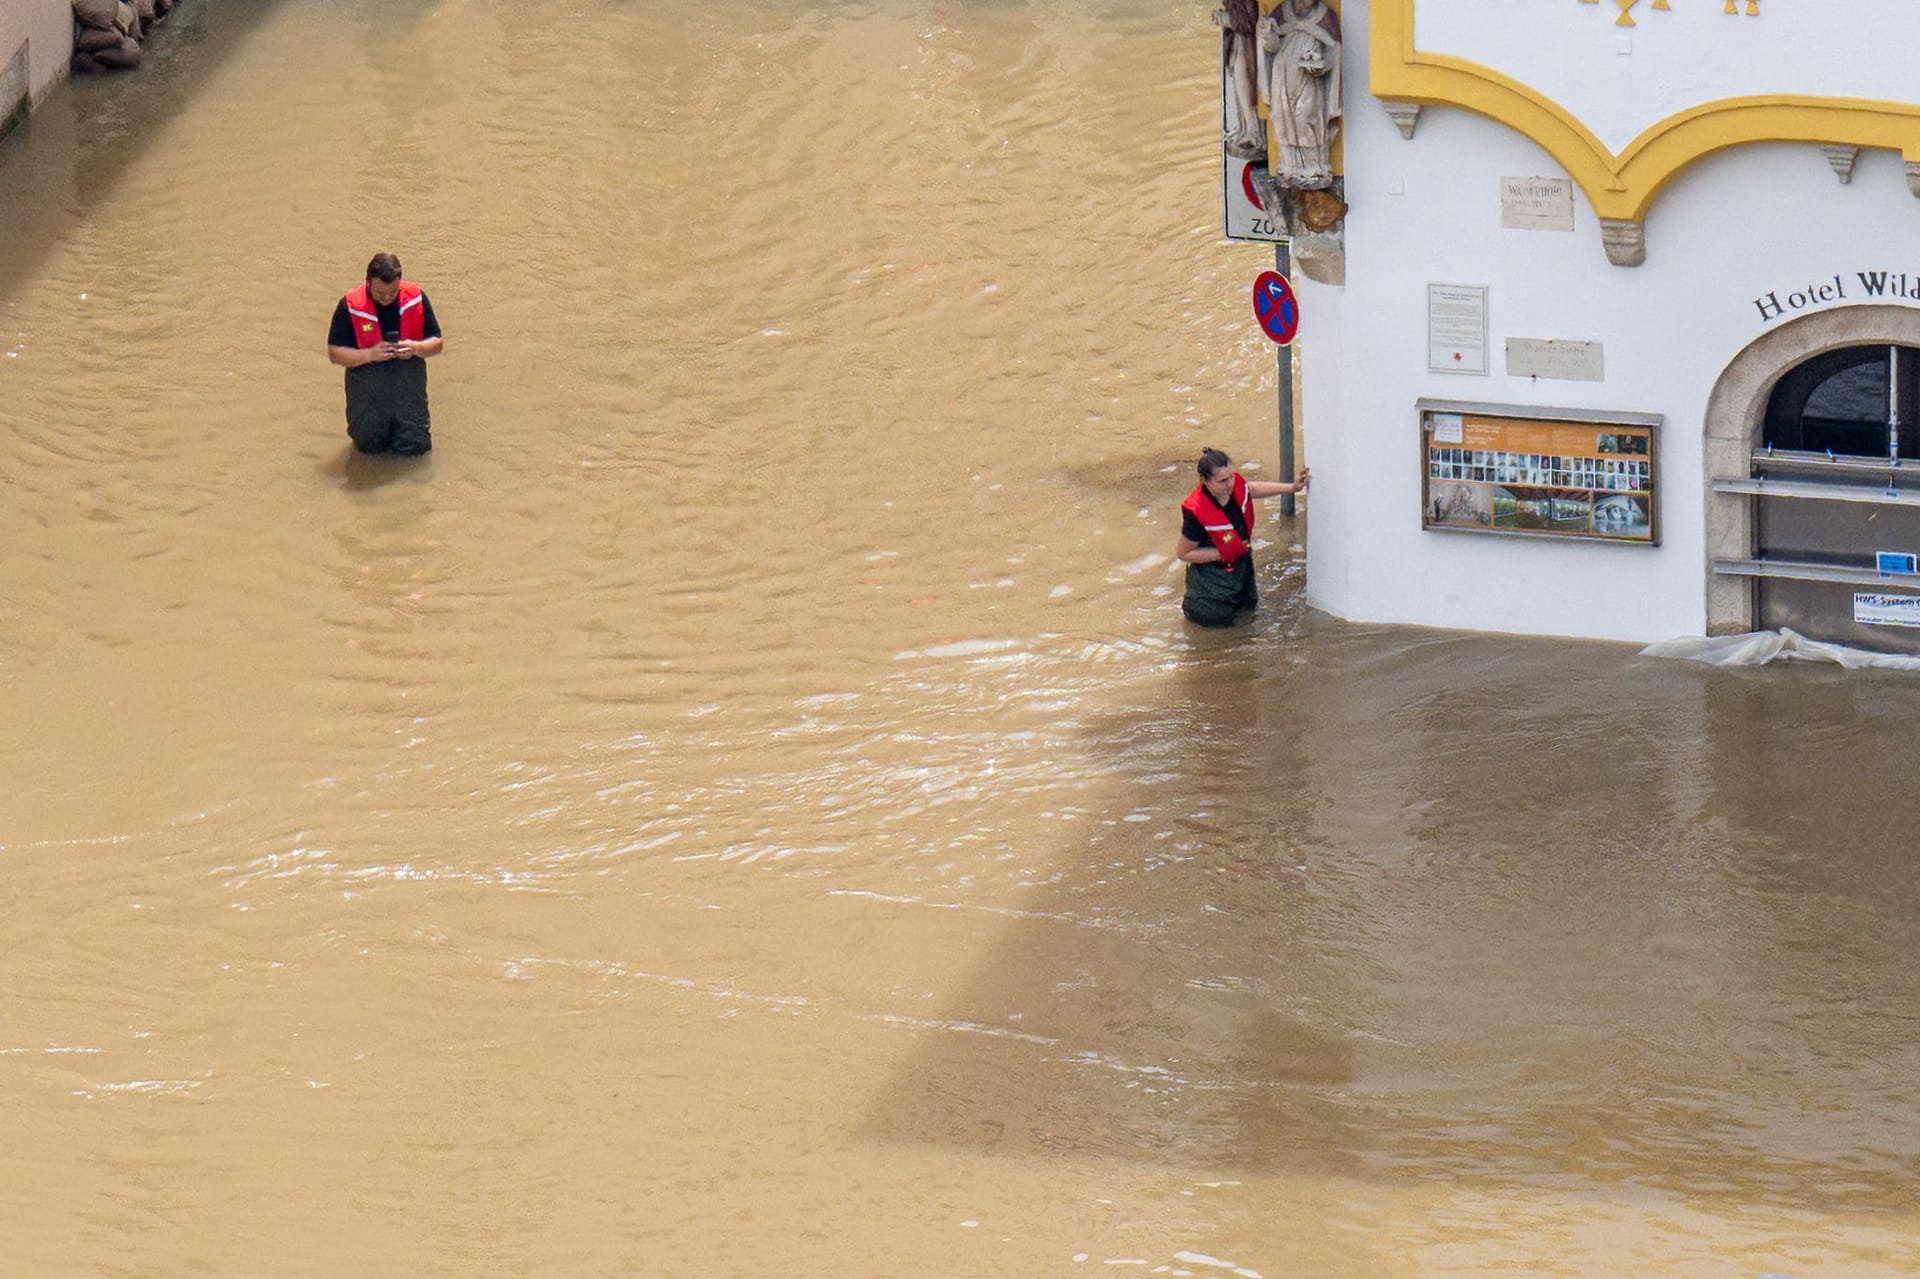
{"x": 1497, "y": 912}
{"x": 362, "y": 472}
{"x": 1158, "y": 987}
{"x": 69, "y": 157}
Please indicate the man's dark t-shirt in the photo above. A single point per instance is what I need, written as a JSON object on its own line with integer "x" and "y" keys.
{"x": 341, "y": 332}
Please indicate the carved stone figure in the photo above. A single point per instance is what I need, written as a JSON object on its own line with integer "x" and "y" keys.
{"x": 1240, "y": 60}
{"x": 1301, "y": 39}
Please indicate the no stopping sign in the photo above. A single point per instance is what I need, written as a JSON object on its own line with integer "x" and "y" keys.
{"x": 1276, "y": 307}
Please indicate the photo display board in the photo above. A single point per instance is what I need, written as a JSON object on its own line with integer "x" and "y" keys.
{"x": 1526, "y": 472}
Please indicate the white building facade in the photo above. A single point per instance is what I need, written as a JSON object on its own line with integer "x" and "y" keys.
{"x": 1616, "y": 241}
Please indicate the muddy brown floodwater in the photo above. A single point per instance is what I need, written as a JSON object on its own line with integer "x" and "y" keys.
{"x": 748, "y": 803}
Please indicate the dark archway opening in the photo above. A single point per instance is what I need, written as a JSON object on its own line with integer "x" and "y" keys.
{"x": 1858, "y": 401}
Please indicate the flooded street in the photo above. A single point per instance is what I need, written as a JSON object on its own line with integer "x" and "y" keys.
{"x": 748, "y": 803}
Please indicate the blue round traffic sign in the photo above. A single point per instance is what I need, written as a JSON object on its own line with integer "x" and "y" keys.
{"x": 1276, "y": 307}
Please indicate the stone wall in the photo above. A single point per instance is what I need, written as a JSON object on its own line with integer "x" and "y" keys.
{"x": 36, "y": 45}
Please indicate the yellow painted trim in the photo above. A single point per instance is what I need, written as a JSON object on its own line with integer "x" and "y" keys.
{"x": 1624, "y": 185}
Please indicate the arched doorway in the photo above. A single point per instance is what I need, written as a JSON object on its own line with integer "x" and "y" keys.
{"x": 1812, "y": 469}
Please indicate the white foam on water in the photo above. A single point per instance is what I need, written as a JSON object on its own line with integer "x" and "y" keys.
{"x": 958, "y": 1027}
{"x": 160, "y": 1087}
{"x": 1134, "y": 568}
{"x": 1202, "y": 1259}
{"x": 642, "y": 845}
{"x": 1059, "y": 591}
{"x": 869, "y": 893}
{"x": 959, "y": 648}
{"x": 826, "y": 699}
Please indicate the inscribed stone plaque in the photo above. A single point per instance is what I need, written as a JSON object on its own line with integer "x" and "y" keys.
{"x": 1456, "y": 328}
{"x": 1551, "y": 358}
{"x": 1536, "y": 204}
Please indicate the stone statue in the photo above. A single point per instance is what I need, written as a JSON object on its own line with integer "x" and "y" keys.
{"x": 1300, "y": 41}
{"x": 1240, "y": 60}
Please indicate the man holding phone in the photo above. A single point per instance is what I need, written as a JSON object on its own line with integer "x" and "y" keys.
{"x": 382, "y": 332}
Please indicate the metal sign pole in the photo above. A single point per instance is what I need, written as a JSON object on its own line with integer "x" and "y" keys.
{"x": 1284, "y": 363}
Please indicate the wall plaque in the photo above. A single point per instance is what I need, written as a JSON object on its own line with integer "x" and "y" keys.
{"x": 1456, "y": 328}
{"x": 1873, "y": 609}
{"x": 1559, "y": 360}
{"x": 1536, "y": 204}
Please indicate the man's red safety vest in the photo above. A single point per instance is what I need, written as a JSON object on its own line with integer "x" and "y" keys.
{"x": 1230, "y": 544}
{"x": 366, "y": 321}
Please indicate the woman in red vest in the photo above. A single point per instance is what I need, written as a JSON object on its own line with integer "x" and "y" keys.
{"x": 1216, "y": 528}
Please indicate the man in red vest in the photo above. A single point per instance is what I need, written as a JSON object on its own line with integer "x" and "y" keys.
{"x": 1216, "y": 530}
{"x": 382, "y": 333}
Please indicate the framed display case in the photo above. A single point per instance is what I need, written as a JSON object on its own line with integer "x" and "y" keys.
{"x": 1532, "y": 472}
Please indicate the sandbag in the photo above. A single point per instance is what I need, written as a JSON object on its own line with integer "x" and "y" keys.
{"x": 85, "y": 62}
{"x": 93, "y": 38}
{"x": 98, "y": 14}
{"x": 146, "y": 9}
{"x": 127, "y": 57}
{"x": 127, "y": 18}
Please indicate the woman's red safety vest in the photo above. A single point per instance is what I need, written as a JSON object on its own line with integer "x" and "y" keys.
{"x": 1230, "y": 544}
{"x": 366, "y": 321}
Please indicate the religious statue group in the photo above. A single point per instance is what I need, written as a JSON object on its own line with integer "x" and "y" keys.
{"x": 1289, "y": 63}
